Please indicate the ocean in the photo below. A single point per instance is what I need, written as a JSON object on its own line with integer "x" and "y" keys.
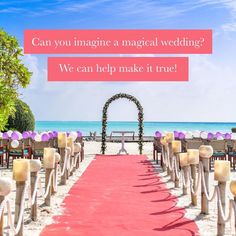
{"x": 149, "y": 127}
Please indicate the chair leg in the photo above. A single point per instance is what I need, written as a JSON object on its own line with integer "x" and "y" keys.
{"x": 161, "y": 160}
{"x": 157, "y": 160}
{"x": 8, "y": 160}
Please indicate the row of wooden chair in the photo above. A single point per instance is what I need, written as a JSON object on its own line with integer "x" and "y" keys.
{"x": 27, "y": 149}
{"x": 223, "y": 149}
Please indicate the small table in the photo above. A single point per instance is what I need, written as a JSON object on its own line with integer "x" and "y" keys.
{"x": 122, "y": 139}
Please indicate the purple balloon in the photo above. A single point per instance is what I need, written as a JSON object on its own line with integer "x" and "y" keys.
{"x": 5, "y": 135}
{"x": 210, "y": 136}
{"x": 45, "y": 137}
{"x": 181, "y": 135}
{"x": 25, "y": 134}
{"x": 55, "y": 134}
{"x": 14, "y": 136}
{"x": 79, "y": 134}
{"x": 50, "y": 134}
{"x": 176, "y": 134}
{"x": 33, "y": 134}
{"x": 158, "y": 134}
{"x": 218, "y": 134}
{"x": 227, "y": 136}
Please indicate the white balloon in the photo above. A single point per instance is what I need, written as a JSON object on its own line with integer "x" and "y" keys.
{"x": 20, "y": 136}
{"x": 165, "y": 132}
{"x": 0, "y": 134}
{"x": 5, "y": 186}
{"x": 189, "y": 135}
{"x": 204, "y": 135}
{"x": 9, "y": 133}
{"x": 233, "y": 136}
{"x": 37, "y": 138}
{"x": 77, "y": 147}
{"x": 14, "y": 143}
{"x": 73, "y": 135}
{"x": 35, "y": 165}
{"x": 196, "y": 134}
{"x": 220, "y": 138}
{"x": 57, "y": 157}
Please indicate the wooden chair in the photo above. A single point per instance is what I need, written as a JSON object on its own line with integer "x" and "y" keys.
{"x": 4, "y": 150}
{"x": 37, "y": 149}
{"x": 1, "y": 153}
{"x": 232, "y": 153}
{"x": 19, "y": 152}
{"x": 193, "y": 144}
{"x": 219, "y": 150}
{"x": 157, "y": 149}
{"x": 28, "y": 147}
{"x": 80, "y": 140}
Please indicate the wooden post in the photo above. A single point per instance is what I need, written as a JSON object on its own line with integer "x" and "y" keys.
{"x": 71, "y": 163}
{"x": 167, "y": 159}
{"x": 54, "y": 179}
{"x": 68, "y": 170}
{"x": 204, "y": 201}
{"x": 82, "y": 150}
{"x": 154, "y": 151}
{"x": 185, "y": 188}
{"x": 193, "y": 175}
{"x": 172, "y": 172}
{"x": 33, "y": 177}
{"x": 77, "y": 161}
{"x": 163, "y": 157}
{"x": 20, "y": 186}
{"x": 48, "y": 197}
{"x": 177, "y": 168}
{"x": 2, "y": 218}
{"x": 220, "y": 221}
{"x": 64, "y": 176}
{"x": 235, "y": 220}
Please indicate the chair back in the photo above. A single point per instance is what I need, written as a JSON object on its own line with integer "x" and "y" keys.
{"x": 19, "y": 148}
{"x": 40, "y": 145}
{"x": 27, "y": 142}
{"x": 5, "y": 142}
{"x": 157, "y": 144}
{"x": 193, "y": 144}
{"x": 218, "y": 145}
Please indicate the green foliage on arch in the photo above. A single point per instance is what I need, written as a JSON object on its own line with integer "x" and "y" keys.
{"x": 140, "y": 119}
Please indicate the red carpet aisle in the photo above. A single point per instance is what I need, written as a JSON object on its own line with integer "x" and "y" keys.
{"x": 120, "y": 196}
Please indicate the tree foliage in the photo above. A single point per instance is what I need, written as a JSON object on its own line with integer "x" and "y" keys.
{"x": 23, "y": 118}
{"x": 13, "y": 75}
{"x": 140, "y": 119}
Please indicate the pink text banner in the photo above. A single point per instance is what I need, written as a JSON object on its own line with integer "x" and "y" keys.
{"x": 118, "y": 41}
{"x": 117, "y": 69}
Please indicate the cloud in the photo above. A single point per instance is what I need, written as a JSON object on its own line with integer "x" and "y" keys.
{"x": 32, "y": 63}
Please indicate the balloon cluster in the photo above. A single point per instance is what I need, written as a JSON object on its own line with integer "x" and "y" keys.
{"x": 15, "y": 136}
{"x": 199, "y": 134}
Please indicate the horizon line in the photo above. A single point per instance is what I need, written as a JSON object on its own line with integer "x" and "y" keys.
{"x": 148, "y": 121}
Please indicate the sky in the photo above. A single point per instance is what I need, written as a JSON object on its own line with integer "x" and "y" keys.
{"x": 209, "y": 96}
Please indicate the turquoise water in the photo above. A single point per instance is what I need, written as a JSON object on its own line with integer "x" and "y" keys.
{"x": 149, "y": 127}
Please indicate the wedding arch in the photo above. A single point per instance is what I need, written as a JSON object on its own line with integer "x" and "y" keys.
{"x": 140, "y": 119}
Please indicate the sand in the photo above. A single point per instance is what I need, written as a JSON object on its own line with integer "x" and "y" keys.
{"x": 207, "y": 224}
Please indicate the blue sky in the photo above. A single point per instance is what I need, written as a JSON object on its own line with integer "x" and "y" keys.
{"x": 208, "y": 96}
